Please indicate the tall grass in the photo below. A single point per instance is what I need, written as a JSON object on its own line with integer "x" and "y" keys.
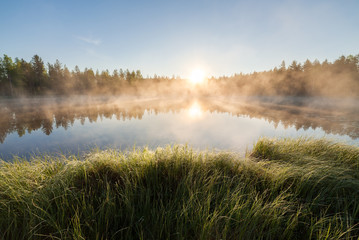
{"x": 284, "y": 189}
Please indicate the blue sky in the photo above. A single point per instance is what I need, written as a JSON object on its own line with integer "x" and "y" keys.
{"x": 174, "y": 37}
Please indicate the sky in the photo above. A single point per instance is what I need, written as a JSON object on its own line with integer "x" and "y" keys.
{"x": 171, "y": 38}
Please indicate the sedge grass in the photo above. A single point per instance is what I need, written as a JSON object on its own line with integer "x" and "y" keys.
{"x": 284, "y": 189}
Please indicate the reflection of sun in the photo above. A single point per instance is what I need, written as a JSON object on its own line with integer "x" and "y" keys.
{"x": 195, "y": 110}
{"x": 197, "y": 76}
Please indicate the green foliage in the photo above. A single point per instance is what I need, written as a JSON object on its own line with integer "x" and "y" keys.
{"x": 38, "y": 78}
{"x": 7, "y": 73}
{"x": 290, "y": 189}
{"x": 33, "y": 78}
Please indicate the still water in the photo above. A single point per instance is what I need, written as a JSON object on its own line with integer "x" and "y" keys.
{"x": 77, "y": 124}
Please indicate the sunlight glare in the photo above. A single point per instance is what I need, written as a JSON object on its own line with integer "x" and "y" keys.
{"x": 195, "y": 111}
{"x": 197, "y": 76}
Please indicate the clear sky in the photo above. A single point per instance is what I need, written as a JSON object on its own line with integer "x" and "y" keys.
{"x": 174, "y": 37}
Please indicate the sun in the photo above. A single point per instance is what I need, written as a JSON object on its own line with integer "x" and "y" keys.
{"x": 197, "y": 76}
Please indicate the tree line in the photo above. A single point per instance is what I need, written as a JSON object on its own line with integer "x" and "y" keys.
{"x": 338, "y": 78}
{"x": 19, "y": 77}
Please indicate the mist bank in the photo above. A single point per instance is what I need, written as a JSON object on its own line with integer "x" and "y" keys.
{"x": 330, "y": 79}
{"x": 311, "y": 78}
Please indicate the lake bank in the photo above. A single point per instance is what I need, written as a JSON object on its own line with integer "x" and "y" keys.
{"x": 282, "y": 189}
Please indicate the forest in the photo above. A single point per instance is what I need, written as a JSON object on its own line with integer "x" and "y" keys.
{"x": 311, "y": 78}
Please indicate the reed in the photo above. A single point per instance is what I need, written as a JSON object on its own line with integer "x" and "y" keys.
{"x": 283, "y": 189}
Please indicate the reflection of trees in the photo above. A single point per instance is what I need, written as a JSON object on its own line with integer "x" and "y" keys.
{"x": 302, "y": 116}
{"x": 22, "y": 117}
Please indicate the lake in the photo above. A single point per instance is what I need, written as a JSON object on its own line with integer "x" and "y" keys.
{"x": 74, "y": 125}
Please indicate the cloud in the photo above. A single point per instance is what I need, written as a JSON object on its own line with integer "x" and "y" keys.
{"x": 89, "y": 40}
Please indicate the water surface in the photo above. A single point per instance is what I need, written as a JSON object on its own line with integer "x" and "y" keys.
{"x": 76, "y": 124}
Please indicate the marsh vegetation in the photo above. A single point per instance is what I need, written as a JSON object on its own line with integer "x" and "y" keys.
{"x": 283, "y": 189}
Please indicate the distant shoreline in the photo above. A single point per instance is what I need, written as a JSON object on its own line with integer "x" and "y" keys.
{"x": 339, "y": 78}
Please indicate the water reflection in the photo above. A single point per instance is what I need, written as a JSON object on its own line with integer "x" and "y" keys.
{"x": 195, "y": 111}
{"x": 23, "y": 116}
{"x": 211, "y": 121}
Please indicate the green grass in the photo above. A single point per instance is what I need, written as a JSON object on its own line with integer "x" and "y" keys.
{"x": 283, "y": 189}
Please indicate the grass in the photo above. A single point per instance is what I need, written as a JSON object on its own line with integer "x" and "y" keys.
{"x": 283, "y": 189}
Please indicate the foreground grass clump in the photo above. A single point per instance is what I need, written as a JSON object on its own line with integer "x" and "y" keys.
{"x": 284, "y": 189}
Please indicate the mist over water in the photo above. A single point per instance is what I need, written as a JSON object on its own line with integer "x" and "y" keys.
{"x": 55, "y": 124}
